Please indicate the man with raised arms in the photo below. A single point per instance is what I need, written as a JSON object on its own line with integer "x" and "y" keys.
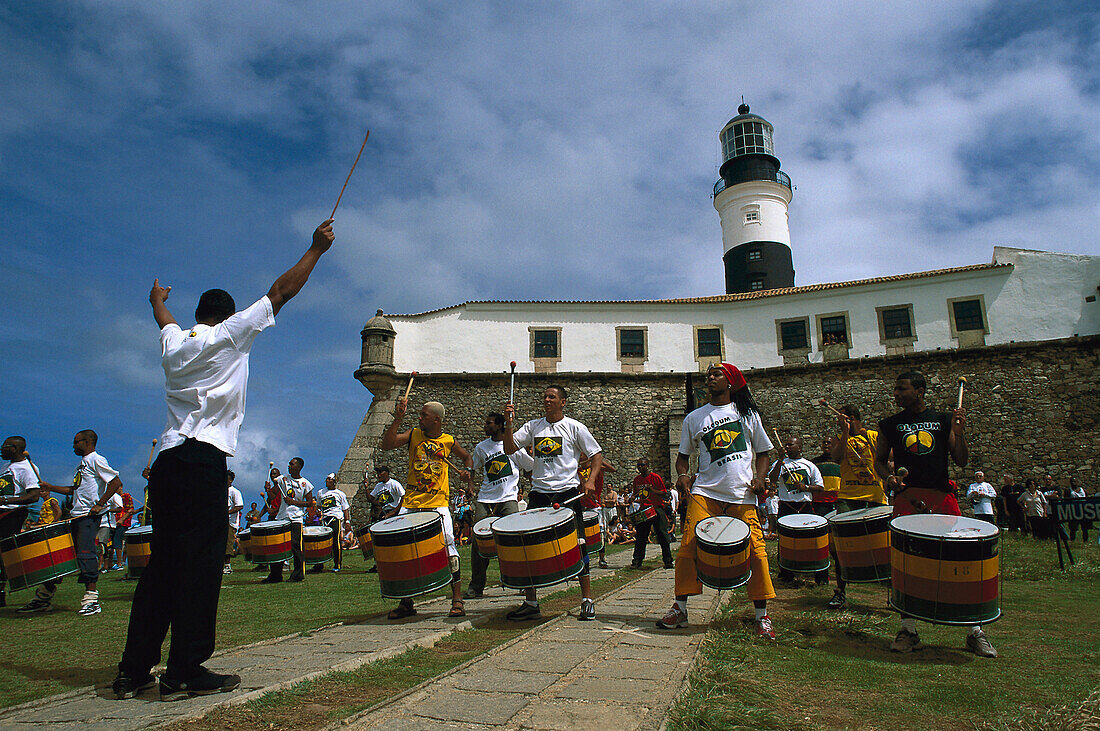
{"x": 428, "y": 486}
{"x": 733, "y": 462}
{"x": 557, "y": 445}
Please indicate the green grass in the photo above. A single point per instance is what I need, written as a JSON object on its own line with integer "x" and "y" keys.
{"x": 835, "y": 670}
{"x": 44, "y": 654}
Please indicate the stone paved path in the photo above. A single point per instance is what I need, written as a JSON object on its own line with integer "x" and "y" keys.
{"x": 619, "y": 643}
{"x": 619, "y": 672}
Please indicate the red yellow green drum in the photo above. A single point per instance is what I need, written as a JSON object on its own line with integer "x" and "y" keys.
{"x": 803, "y": 543}
{"x": 483, "y": 537}
{"x": 270, "y": 542}
{"x": 593, "y": 534}
{"x": 722, "y": 552}
{"x": 316, "y": 544}
{"x": 537, "y": 548}
{"x": 411, "y": 553}
{"x": 861, "y": 539}
{"x": 366, "y": 544}
{"x": 139, "y": 545}
{"x": 38, "y": 555}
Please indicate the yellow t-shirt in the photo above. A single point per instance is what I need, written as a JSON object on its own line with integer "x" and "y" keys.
{"x": 50, "y": 512}
{"x": 858, "y": 480}
{"x": 427, "y": 485}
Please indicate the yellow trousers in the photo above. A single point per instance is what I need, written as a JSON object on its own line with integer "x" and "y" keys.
{"x": 700, "y": 508}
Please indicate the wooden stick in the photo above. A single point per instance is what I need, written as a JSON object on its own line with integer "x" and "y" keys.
{"x": 333, "y": 214}
{"x": 829, "y": 406}
{"x": 409, "y": 388}
{"x": 445, "y": 458}
{"x": 27, "y": 456}
{"x": 962, "y": 385}
{"x": 512, "y": 390}
{"x": 151, "y": 450}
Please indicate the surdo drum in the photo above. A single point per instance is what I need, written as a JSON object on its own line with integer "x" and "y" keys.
{"x": 644, "y": 514}
{"x": 537, "y": 548}
{"x": 366, "y": 544}
{"x": 946, "y": 569}
{"x": 139, "y": 542}
{"x": 483, "y": 537}
{"x": 270, "y": 542}
{"x": 39, "y": 555}
{"x": 722, "y": 552}
{"x": 861, "y": 539}
{"x": 593, "y": 535}
{"x": 803, "y": 543}
{"x": 411, "y": 553}
{"x": 244, "y": 538}
{"x": 316, "y": 544}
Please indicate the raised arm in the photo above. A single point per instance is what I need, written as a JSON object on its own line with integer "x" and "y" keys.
{"x": 394, "y": 437}
{"x": 157, "y": 297}
{"x": 292, "y": 281}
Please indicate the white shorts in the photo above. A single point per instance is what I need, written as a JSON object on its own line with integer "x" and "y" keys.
{"x": 448, "y": 530}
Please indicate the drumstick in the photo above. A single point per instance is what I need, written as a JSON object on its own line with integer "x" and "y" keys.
{"x": 409, "y": 388}
{"x": 829, "y": 406}
{"x": 962, "y": 384}
{"x": 566, "y": 502}
{"x": 512, "y": 389}
{"x": 445, "y": 458}
{"x": 27, "y": 456}
{"x": 333, "y": 214}
{"x": 151, "y": 450}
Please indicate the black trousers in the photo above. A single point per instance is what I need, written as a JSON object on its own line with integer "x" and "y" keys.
{"x": 180, "y": 586}
{"x": 660, "y": 532}
{"x": 296, "y": 549}
{"x": 789, "y": 508}
{"x": 337, "y": 541}
{"x": 478, "y": 563}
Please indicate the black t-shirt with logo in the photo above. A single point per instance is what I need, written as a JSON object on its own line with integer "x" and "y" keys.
{"x": 919, "y": 443}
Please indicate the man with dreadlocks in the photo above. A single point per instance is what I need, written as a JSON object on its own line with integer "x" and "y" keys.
{"x": 733, "y": 462}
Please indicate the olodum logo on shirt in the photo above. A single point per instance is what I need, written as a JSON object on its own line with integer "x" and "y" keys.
{"x": 725, "y": 440}
{"x": 919, "y": 442}
{"x": 548, "y": 446}
{"x": 7, "y": 486}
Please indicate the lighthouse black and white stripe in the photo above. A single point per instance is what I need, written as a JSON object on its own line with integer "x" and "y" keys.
{"x": 751, "y": 198}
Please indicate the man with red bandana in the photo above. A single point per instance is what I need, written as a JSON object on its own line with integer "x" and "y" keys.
{"x": 920, "y": 440}
{"x": 730, "y": 479}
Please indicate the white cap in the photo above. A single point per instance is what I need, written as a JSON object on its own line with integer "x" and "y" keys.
{"x": 330, "y": 474}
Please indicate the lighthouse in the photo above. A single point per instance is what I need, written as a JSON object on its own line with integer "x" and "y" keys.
{"x": 751, "y": 198}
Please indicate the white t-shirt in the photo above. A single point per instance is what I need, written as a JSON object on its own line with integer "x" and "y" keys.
{"x": 795, "y": 476}
{"x": 206, "y": 373}
{"x": 296, "y": 489}
{"x": 234, "y": 499}
{"x": 108, "y": 520}
{"x": 556, "y": 448}
{"x": 771, "y": 505}
{"x": 674, "y": 498}
{"x": 16, "y": 479}
{"x": 729, "y": 441}
{"x": 91, "y": 480}
{"x": 389, "y": 494}
{"x": 1077, "y": 492}
{"x": 332, "y": 502}
{"x": 981, "y": 496}
{"x": 500, "y": 480}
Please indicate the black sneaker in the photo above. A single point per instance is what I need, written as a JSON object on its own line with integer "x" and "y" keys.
{"x": 603, "y": 564}
{"x": 126, "y": 687}
{"x": 317, "y": 569}
{"x": 273, "y": 579}
{"x": 205, "y": 683}
{"x": 472, "y": 594}
{"x": 36, "y": 605}
{"x": 839, "y": 601}
{"x": 524, "y": 611}
{"x": 297, "y": 577}
{"x": 588, "y": 610}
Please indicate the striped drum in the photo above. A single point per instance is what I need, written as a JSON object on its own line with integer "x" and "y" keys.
{"x": 537, "y": 548}
{"x": 139, "y": 543}
{"x": 722, "y": 552}
{"x": 366, "y": 545}
{"x": 945, "y": 569}
{"x": 271, "y": 541}
{"x": 244, "y": 537}
{"x": 862, "y": 542}
{"x": 411, "y": 553}
{"x": 39, "y": 555}
{"x": 593, "y": 535}
{"x": 316, "y": 544}
{"x": 803, "y": 543}
{"x": 483, "y": 537}
{"x": 643, "y": 514}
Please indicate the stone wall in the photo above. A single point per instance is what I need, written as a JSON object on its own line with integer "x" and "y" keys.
{"x": 1032, "y": 408}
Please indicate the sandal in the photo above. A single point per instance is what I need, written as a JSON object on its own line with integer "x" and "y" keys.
{"x": 458, "y": 608}
{"x": 402, "y": 610}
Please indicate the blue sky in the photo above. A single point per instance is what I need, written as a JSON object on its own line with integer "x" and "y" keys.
{"x": 202, "y": 142}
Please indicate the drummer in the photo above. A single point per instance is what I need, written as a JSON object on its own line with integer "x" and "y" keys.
{"x": 649, "y": 490}
{"x": 428, "y": 485}
{"x": 18, "y": 488}
{"x": 335, "y": 511}
{"x": 296, "y": 493}
{"x": 860, "y": 486}
{"x": 734, "y": 446}
{"x": 797, "y": 480}
{"x": 557, "y": 443}
{"x": 94, "y": 484}
{"x": 920, "y": 440}
{"x": 499, "y": 493}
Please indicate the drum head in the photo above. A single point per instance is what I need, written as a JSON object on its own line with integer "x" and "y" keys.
{"x": 532, "y": 520}
{"x": 141, "y": 530}
{"x": 399, "y": 523}
{"x": 591, "y": 516}
{"x": 855, "y": 516}
{"x": 244, "y": 533}
{"x": 484, "y": 527}
{"x": 953, "y": 527}
{"x": 271, "y": 525}
{"x": 722, "y": 530}
{"x": 316, "y": 530}
{"x": 802, "y": 521}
